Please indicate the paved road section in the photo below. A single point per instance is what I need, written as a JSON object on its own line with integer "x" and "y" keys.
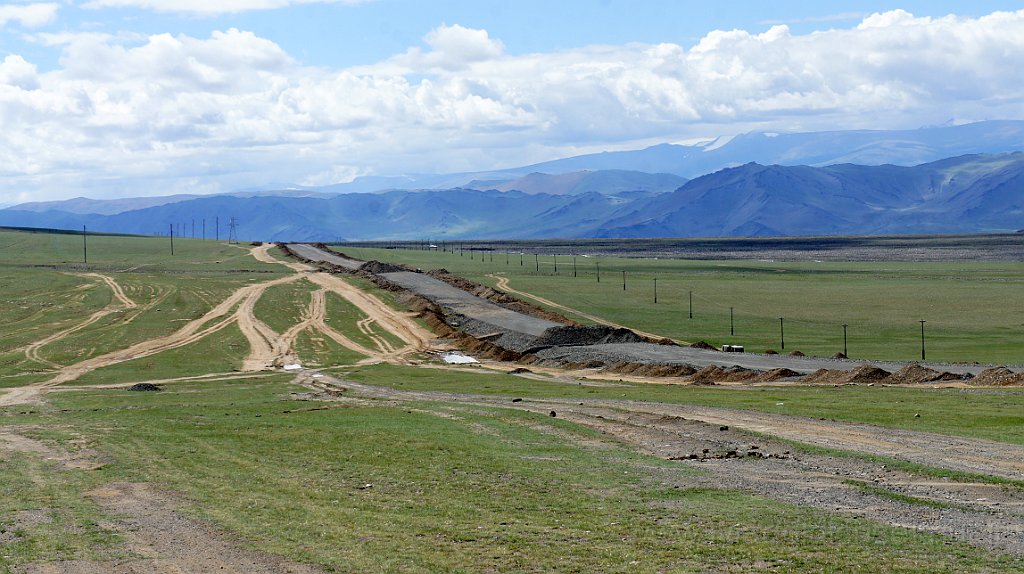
{"x": 485, "y": 318}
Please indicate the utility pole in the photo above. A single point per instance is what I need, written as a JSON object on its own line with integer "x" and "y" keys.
{"x": 573, "y": 265}
{"x": 536, "y": 259}
{"x": 655, "y": 290}
{"x": 193, "y": 229}
{"x": 555, "y": 258}
{"x": 782, "y": 333}
{"x": 85, "y": 248}
{"x": 233, "y": 230}
{"x": 623, "y": 280}
{"x": 691, "y": 304}
{"x": 217, "y": 222}
{"x": 922, "y": 321}
{"x": 598, "y": 263}
{"x": 204, "y": 229}
{"x": 172, "y": 239}
{"x": 732, "y": 324}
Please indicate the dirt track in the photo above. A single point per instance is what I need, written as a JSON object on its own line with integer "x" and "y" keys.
{"x": 121, "y": 302}
{"x": 267, "y": 348}
{"x": 157, "y": 536}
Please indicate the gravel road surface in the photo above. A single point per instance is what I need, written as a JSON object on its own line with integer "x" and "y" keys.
{"x": 313, "y": 254}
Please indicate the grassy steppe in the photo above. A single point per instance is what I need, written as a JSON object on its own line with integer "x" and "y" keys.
{"x": 453, "y": 489}
{"x": 450, "y": 490}
{"x": 973, "y": 310}
{"x": 45, "y": 289}
{"x": 994, "y": 415}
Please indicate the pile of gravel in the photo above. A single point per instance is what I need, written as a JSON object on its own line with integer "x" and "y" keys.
{"x": 586, "y": 335}
{"x": 378, "y": 267}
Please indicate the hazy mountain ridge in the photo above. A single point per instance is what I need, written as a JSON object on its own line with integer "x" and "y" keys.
{"x": 972, "y": 193}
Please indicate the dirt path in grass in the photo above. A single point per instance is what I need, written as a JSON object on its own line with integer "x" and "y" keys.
{"x": 400, "y": 324}
{"x": 156, "y": 535}
{"x": 213, "y": 321}
{"x": 121, "y": 302}
{"x": 502, "y": 284}
{"x": 717, "y": 441}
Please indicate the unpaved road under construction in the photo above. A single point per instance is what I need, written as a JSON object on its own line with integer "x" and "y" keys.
{"x": 518, "y": 331}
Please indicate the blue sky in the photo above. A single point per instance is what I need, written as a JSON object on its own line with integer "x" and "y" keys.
{"x": 109, "y": 98}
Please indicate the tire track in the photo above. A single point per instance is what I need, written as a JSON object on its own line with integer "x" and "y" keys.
{"x": 221, "y": 316}
{"x": 121, "y": 302}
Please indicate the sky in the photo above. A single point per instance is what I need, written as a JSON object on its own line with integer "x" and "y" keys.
{"x": 127, "y": 98}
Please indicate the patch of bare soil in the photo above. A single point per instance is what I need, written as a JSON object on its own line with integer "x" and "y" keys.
{"x": 82, "y": 458}
{"x": 159, "y": 538}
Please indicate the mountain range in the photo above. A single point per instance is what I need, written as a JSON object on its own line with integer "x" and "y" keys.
{"x": 947, "y": 179}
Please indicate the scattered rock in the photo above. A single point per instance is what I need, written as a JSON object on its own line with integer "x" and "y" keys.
{"x": 517, "y": 400}
{"x": 144, "y": 387}
{"x": 553, "y": 414}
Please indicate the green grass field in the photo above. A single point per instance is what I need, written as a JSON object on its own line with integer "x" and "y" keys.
{"x": 973, "y": 309}
{"x": 454, "y": 488}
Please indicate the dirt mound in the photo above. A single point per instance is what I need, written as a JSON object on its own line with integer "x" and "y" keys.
{"x": 702, "y": 345}
{"x": 998, "y": 377}
{"x": 797, "y": 354}
{"x": 519, "y": 371}
{"x": 770, "y": 352}
{"x": 914, "y": 373}
{"x": 587, "y": 335}
{"x": 381, "y": 267}
{"x": 144, "y": 387}
{"x": 776, "y": 375}
{"x": 862, "y": 374}
{"x": 716, "y": 374}
{"x": 643, "y": 370}
{"x": 840, "y": 356}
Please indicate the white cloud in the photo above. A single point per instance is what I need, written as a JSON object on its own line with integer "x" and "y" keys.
{"x": 155, "y": 114}
{"x": 208, "y": 7}
{"x": 29, "y": 15}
